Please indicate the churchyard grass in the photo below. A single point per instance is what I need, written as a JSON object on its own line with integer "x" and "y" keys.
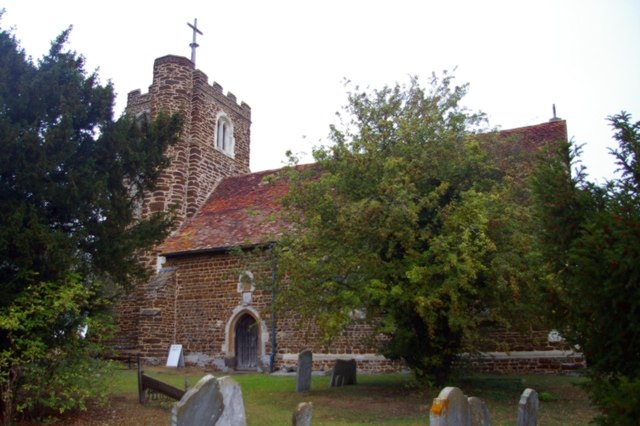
{"x": 389, "y": 399}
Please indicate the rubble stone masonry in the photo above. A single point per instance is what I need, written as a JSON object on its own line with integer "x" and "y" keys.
{"x": 196, "y": 166}
{"x": 197, "y": 299}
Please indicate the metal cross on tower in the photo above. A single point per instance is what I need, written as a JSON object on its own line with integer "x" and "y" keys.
{"x": 193, "y": 44}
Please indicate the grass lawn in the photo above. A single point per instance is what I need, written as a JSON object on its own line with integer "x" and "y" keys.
{"x": 389, "y": 399}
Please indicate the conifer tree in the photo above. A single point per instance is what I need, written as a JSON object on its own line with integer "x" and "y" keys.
{"x": 592, "y": 240}
{"x": 71, "y": 177}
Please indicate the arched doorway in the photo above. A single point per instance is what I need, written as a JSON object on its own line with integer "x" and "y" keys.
{"x": 246, "y": 343}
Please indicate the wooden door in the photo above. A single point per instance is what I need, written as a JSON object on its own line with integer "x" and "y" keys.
{"x": 246, "y": 343}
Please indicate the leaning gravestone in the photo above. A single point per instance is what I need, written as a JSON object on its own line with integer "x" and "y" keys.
{"x": 233, "y": 413}
{"x": 478, "y": 411}
{"x": 344, "y": 373}
{"x": 303, "y": 379}
{"x": 450, "y": 408}
{"x": 302, "y": 415}
{"x": 201, "y": 405}
{"x": 528, "y": 408}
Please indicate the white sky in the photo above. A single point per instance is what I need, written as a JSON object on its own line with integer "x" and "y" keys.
{"x": 287, "y": 59}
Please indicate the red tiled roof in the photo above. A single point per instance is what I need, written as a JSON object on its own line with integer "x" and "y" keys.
{"x": 243, "y": 210}
{"x": 514, "y": 149}
{"x": 534, "y": 137}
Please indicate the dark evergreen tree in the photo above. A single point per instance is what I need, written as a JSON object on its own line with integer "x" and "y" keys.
{"x": 592, "y": 239}
{"x": 71, "y": 177}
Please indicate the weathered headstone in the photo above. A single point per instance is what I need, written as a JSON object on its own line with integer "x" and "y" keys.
{"x": 478, "y": 411}
{"x": 344, "y": 373}
{"x": 302, "y": 415}
{"x": 233, "y": 413}
{"x": 450, "y": 408}
{"x": 201, "y": 405}
{"x": 528, "y": 408}
{"x": 303, "y": 379}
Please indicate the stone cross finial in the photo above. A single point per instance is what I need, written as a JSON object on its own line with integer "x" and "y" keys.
{"x": 193, "y": 44}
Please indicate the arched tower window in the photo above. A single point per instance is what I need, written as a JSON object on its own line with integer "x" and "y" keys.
{"x": 142, "y": 118}
{"x": 224, "y": 140}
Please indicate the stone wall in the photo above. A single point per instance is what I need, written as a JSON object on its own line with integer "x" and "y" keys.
{"x": 533, "y": 351}
{"x": 196, "y": 299}
{"x": 209, "y": 301}
{"x": 500, "y": 339}
{"x": 547, "y": 362}
{"x": 127, "y": 312}
{"x": 156, "y": 314}
{"x": 197, "y": 306}
{"x": 208, "y": 165}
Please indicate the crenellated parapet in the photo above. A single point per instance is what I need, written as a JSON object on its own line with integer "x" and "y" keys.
{"x": 138, "y": 103}
{"x": 178, "y": 74}
{"x": 215, "y": 90}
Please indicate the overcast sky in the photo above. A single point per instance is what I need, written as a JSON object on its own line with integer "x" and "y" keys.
{"x": 288, "y": 59}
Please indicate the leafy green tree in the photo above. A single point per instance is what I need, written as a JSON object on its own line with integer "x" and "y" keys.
{"x": 70, "y": 179}
{"x": 407, "y": 219}
{"x": 592, "y": 239}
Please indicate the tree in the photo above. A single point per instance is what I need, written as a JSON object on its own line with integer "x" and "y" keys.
{"x": 70, "y": 179}
{"x": 592, "y": 240}
{"x": 407, "y": 219}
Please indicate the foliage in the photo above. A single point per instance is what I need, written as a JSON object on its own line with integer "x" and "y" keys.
{"x": 406, "y": 219}
{"x": 616, "y": 397}
{"x": 51, "y": 369}
{"x": 70, "y": 180}
{"x": 592, "y": 236}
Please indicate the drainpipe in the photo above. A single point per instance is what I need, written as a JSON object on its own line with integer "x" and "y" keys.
{"x": 273, "y": 312}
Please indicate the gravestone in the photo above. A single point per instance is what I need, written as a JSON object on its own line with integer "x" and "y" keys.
{"x": 478, "y": 411}
{"x": 201, "y": 405}
{"x": 344, "y": 373}
{"x": 303, "y": 378}
{"x": 233, "y": 413}
{"x": 302, "y": 415}
{"x": 450, "y": 408}
{"x": 528, "y": 408}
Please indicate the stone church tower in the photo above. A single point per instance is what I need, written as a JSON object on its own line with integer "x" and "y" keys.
{"x": 214, "y": 143}
{"x": 215, "y": 140}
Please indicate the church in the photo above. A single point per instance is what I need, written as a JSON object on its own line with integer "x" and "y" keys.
{"x": 203, "y": 295}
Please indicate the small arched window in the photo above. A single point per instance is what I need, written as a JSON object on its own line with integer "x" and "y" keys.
{"x": 224, "y": 135}
{"x": 142, "y": 118}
